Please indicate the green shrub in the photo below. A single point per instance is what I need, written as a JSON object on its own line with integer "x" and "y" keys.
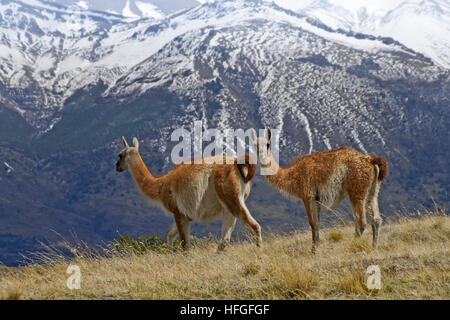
{"x": 141, "y": 244}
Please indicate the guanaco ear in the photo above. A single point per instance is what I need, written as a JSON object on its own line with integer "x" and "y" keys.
{"x": 269, "y": 134}
{"x": 136, "y": 143}
{"x": 125, "y": 143}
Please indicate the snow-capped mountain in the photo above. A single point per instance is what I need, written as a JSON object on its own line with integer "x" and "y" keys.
{"x": 156, "y": 9}
{"x": 422, "y": 25}
{"x": 50, "y": 51}
{"x": 43, "y": 48}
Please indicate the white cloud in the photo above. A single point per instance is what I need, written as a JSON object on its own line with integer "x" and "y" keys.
{"x": 148, "y": 10}
{"x": 83, "y": 5}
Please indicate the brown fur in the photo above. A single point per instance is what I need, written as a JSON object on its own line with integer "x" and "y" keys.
{"x": 181, "y": 184}
{"x": 314, "y": 170}
{"x": 382, "y": 164}
{"x": 246, "y": 169}
{"x": 323, "y": 179}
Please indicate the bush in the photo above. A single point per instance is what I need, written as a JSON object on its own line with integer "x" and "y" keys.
{"x": 335, "y": 235}
{"x": 142, "y": 244}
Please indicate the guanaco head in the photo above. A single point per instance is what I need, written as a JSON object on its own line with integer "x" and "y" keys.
{"x": 127, "y": 154}
{"x": 263, "y": 147}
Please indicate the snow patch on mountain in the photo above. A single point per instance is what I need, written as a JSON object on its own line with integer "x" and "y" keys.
{"x": 8, "y": 167}
{"x": 126, "y": 12}
{"x": 60, "y": 50}
{"x": 149, "y": 10}
{"x": 83, "y": 4}
{"x": 422, "y": 25}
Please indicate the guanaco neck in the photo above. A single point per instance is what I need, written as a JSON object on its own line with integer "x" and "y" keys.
{"x": 281, "y": 178}
{"x": 145, "y": 180}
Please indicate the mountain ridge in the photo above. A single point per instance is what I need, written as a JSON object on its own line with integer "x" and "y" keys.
{"x": 101, "y": 47}
{"x": 428, "y": 34}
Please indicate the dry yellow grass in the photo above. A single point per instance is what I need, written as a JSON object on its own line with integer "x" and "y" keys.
{"x": 335, "y": 235}
{"x": 413, "y": 256}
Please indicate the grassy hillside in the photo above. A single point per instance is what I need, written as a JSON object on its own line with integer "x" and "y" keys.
{"x": 414, "y": 258}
